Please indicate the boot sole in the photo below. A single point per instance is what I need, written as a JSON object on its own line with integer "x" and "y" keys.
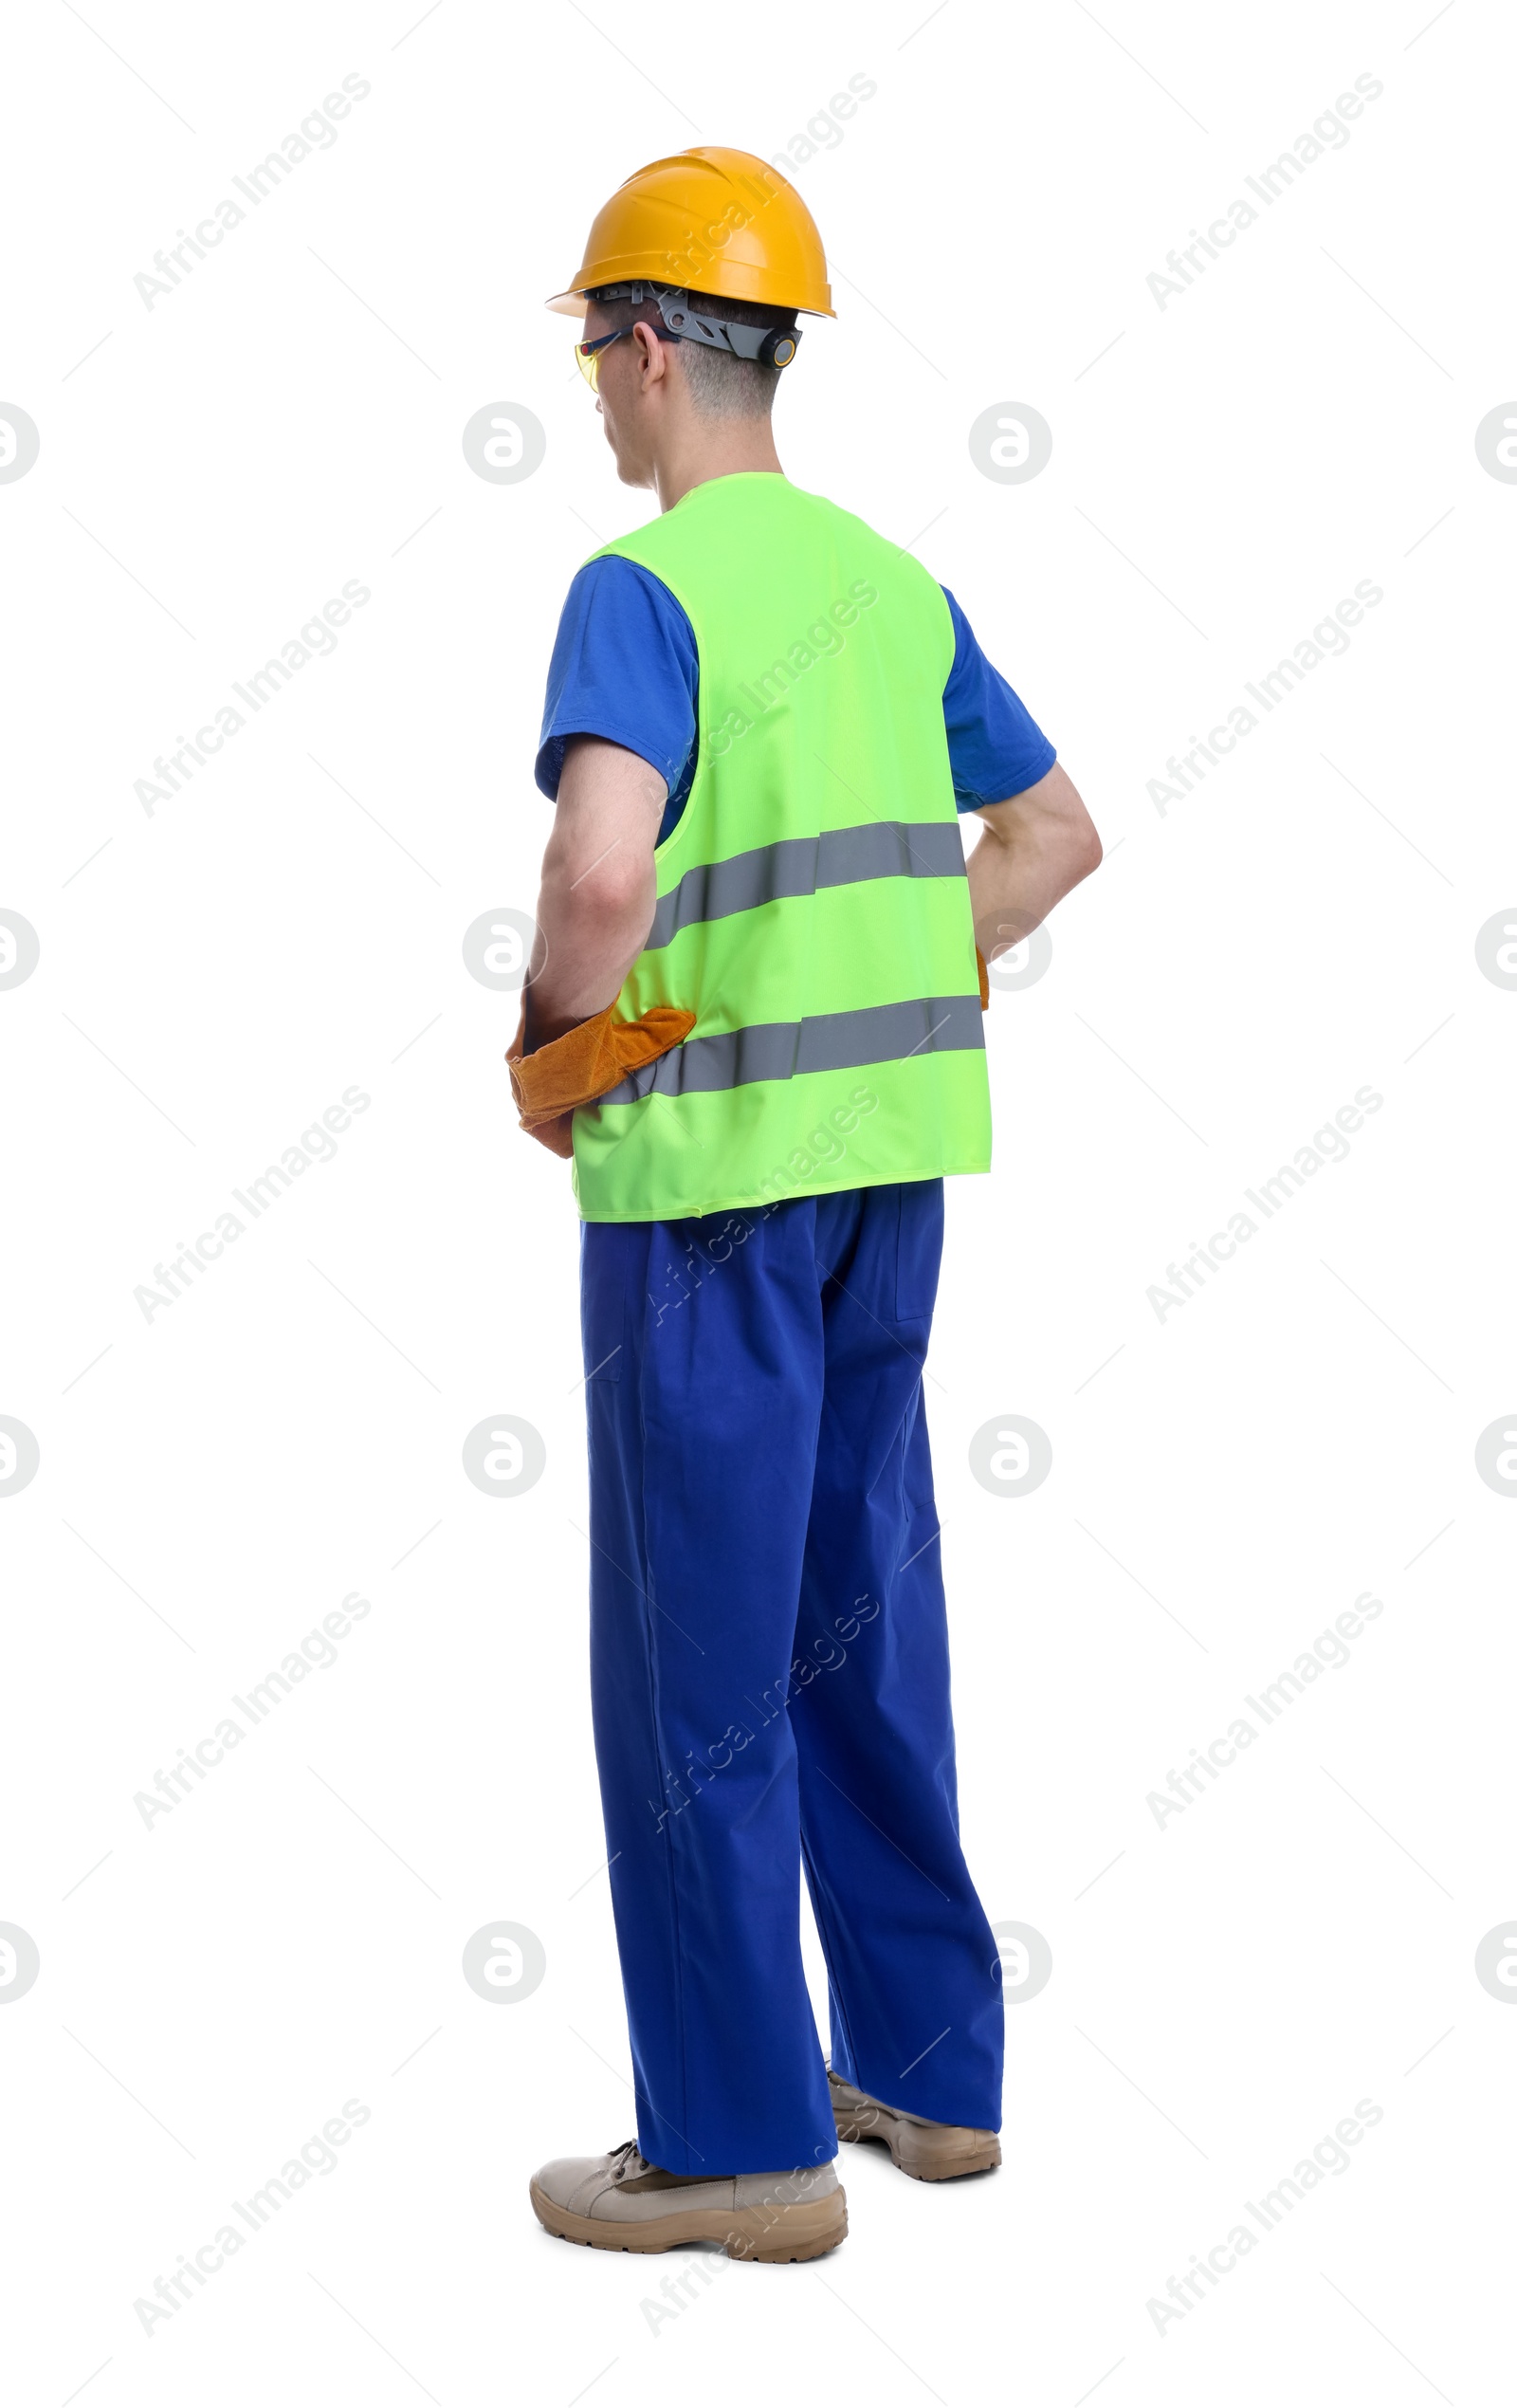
{"x": 924, "y": 2164}
{"x": 764, "y": 2236}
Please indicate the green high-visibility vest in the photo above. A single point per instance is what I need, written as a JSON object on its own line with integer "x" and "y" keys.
{"x": 813, "y": 906}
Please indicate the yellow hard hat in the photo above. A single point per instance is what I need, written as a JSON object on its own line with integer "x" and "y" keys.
{"x": 714, "y": 220}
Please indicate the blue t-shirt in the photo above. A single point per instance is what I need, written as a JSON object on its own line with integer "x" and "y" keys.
{"x": 624, "y": 666}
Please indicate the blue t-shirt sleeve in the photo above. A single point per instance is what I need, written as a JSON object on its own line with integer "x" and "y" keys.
{"x": 624, "y": 666}
{"x": 995, "y": 747}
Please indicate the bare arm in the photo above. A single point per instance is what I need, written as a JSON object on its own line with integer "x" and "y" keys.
{"x": 1034, "y": 849}
{"x": 596, "y": 902}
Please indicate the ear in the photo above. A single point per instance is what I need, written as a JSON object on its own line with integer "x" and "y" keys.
{"x": 652, "y": 362}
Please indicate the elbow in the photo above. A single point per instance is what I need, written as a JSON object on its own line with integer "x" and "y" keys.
{"x": 609, "y": 894}
{"x": 613, "y": 890}
{"x": 1079, "y": 844}
{"x": 1080, "y": 851}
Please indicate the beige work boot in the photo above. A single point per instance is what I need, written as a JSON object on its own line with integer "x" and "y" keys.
{"x": 928, "y": 2151}
{"x": 620, "y": 2201}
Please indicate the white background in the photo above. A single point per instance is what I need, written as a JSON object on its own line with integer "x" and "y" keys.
{"x": 1225, "y": 1481}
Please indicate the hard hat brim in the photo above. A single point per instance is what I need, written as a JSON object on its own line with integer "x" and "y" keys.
{"x": 574, "y": 304}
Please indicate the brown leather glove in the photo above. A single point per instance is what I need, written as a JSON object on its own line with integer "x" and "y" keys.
{"x": 551, "y": 1082}
{"x": 985, "y": 980}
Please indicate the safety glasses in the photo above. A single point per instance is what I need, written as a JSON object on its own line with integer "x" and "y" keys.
{"x": 588, "y": 354}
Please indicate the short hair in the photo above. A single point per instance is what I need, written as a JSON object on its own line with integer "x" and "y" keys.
{"x": 720, "y": 385}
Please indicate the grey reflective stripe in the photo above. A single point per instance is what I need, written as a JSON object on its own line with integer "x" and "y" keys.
{"x": 803, "y": 865}
{"x": 789, "y": 1049}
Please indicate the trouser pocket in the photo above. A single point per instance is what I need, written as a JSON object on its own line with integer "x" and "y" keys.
{"x": 918, "y": 1248}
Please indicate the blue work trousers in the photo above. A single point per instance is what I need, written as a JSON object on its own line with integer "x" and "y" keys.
{"x": 769, "y": 1673}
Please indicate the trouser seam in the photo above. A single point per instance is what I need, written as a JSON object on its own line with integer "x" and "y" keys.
{"x": 822, "y": 1907}
{"x": 651, "y": 1659}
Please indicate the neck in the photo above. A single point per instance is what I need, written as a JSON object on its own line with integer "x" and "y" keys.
{"x": 709, "y": 447}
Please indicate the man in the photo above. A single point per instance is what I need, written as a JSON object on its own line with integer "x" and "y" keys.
{"x": 754, "y": 1022}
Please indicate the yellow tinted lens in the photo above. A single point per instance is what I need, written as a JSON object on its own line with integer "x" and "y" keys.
{"x": 588, "y": 365}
